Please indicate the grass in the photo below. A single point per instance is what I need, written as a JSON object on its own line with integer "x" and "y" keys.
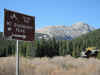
{"x": 50, "y": 66}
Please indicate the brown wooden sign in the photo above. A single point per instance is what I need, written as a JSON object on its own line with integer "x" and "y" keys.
{"x": 18, "y": 26}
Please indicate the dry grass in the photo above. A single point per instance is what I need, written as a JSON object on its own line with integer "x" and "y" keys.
{"x": 46, "y": 66}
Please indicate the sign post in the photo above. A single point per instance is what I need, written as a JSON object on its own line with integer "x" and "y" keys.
{"x": 17, "y": 59}
{"x": 18, "y": 26}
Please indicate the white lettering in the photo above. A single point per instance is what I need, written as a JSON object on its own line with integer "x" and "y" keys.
{"x": 9, "y": 28}
{"x": 22, "y": 36}
{"x": 26, "y": 19}
{"x": 20, "y": 30}
{"x": 23, "y": 26}
{"x": 9, "y": 23}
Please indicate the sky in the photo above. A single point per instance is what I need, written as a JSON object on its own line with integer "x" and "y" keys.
{"x": 55, "y": 12}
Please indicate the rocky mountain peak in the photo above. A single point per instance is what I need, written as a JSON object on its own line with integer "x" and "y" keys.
{"x": 80, "y": 25}
{"x": 66, "y": 32}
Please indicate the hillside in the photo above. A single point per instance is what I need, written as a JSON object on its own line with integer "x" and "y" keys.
{"x": 91, "y": 38}
{"x": 94, "y": 34}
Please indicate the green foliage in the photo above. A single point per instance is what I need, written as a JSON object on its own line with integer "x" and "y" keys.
{"x": 51, "y": 47}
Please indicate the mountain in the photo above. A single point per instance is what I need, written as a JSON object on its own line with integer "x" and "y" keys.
{"x": 62, "y": 32}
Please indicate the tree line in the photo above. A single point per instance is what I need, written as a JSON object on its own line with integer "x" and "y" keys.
{"x": 53, "y": 47}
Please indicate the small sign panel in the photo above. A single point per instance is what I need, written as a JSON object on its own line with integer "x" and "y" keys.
{"x": 18, "y": 26}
